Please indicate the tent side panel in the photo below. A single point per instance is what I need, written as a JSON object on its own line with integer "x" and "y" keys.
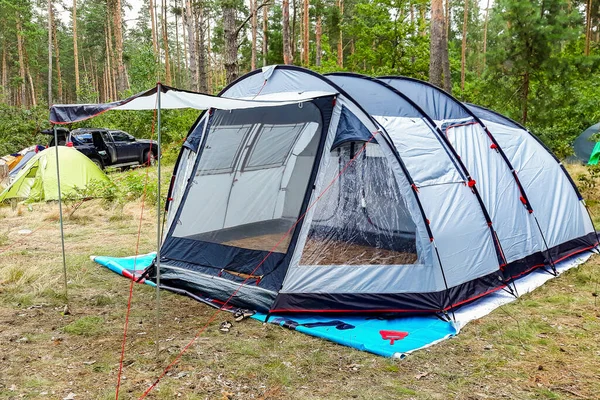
{"x": 516, "y": 229}
{"x": 560, "y": 213}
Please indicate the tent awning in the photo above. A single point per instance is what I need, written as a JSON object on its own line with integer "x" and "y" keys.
{"x": 172, "y": 98}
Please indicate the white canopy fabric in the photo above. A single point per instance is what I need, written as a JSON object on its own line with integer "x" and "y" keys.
{"x": 171, "y": 98}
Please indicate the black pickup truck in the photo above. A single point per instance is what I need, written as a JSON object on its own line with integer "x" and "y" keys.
{"x": 106, "y": 147}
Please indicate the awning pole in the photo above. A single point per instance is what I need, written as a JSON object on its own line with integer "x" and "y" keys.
{"x": 60, "y": 214}
{"x": 158, "y": 225}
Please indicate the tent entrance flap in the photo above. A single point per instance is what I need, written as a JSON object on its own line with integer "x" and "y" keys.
{"x": 248, "y": 189}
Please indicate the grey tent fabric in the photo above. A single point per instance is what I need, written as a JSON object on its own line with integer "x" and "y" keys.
{"x": 378, "y": 198}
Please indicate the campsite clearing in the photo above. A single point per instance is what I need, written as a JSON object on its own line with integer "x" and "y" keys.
{"x": 541, "y": 346}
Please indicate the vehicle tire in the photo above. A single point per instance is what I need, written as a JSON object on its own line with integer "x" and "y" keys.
{"x": 149, "y": 158}
{"x": 97, "y": 162}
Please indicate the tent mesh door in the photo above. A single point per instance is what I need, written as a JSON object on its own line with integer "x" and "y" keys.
{"x": 362, "y": 219}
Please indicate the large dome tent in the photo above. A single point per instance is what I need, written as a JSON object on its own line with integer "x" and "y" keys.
{"x": 37, "y": 179}
{"x": 345, "y": 216}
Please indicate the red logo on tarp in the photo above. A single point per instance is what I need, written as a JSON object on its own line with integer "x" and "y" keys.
{"x": 392, "y": 336}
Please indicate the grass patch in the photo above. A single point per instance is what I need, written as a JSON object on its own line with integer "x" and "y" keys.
{"x": 85, "y": 326}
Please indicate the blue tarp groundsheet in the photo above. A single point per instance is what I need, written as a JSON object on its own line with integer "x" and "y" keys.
{"x": 384, "y": 336}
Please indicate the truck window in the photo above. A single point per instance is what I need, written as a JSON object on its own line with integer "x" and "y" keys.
{"x": 119, "y": 136}
{"x": 83, "y": 137}
{"x": 106, "y": 136}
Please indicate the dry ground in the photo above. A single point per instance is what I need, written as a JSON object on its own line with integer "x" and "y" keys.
{"x": 543, "y": 346}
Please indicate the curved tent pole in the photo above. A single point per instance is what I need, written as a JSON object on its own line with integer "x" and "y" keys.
{"x": 60, "y": 214}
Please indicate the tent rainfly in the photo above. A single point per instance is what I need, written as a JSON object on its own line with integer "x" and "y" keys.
{"x": 344, "y": 193}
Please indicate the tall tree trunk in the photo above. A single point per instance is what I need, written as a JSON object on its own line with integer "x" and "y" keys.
{"x": 177, "y": 72}
{"x": 446, "y": 58}
{"x": 30, "y": 78}
{"x": 191, "y": 36}
{"x": 485, "y": 31}
{"x": 230, "y": 34}
{"x": 197, "y": 50}
{"x": 293, "y": 32}
{"x": 265, "y": 34}
{"x": 165, "y": 43}
{"x": 318, "y": 34}
{"x": 265, "y": 40}
{"x": 21, "y": 90}
{"x": 57, "y": 57}
{"x": 184, "y": 38}
{"x": 153, "y": 22}
{"x": 201, "y": 26}
{"x": 105, "y": 83}
{"x": 109, "y": 68}
{"x": 121, "y": 81}
{"x": 287, "y": 51}
{"x": 525, "y": 97}
{"x": 75, "y": 50}
{"x": 588, "y": 27}
{"x": 446, "y": 65}
{"x": 254, "y": 29}
{"x": 340, "y": 45}
{"x": 4, "y": 71}
{"x": 463, "y": 53}
{"x": 210, "y": 73}
{"x": 436, "y": 52}
{"x": 447, "y": 17}
{"x": 306, "y": 32}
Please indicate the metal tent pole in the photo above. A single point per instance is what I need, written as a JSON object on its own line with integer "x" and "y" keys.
{"x": 158, "y": 225}
{"x": 60, "y": 213}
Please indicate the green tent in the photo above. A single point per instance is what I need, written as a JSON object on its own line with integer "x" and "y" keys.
{"x": 37, "y": 181}
{"x": 595, "y": 157}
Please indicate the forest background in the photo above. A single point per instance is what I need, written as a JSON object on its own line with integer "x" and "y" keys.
{"x": 535, "y": 61}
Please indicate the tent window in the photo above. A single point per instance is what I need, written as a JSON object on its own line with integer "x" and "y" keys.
{"x": 222, "y": 149}
{"x": 273, "y": 145}
{"x": 252, "y": 177}
{"x": 362, "y": 219}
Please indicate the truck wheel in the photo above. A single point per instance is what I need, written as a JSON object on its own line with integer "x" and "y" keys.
{"x": 149, "y": 158}
{"x": 97, "y": 162}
